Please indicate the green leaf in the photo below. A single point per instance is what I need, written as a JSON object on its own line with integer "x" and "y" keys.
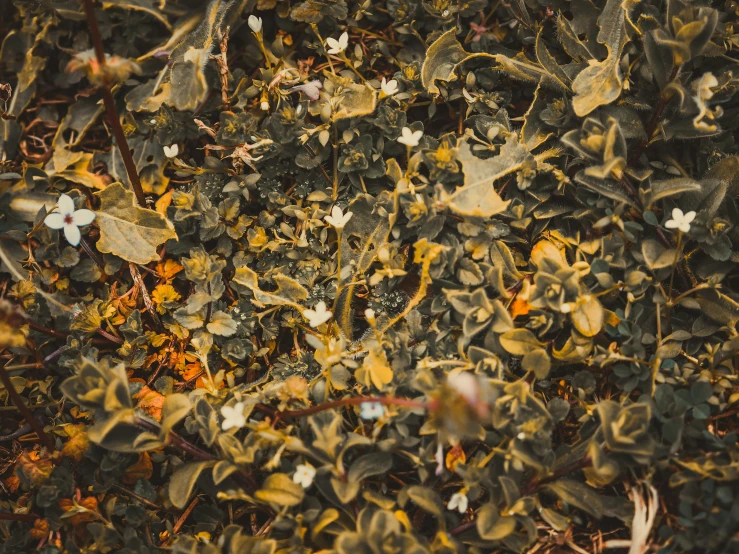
{"x": 184, "y": 479}
{"x": 478, "y": 197}
{"x": 442, "y": 59}
{"x": 671, "y": 187}
{"x": 128, "y": 230}
{"x": 280, "y": 490}
{"x": 519, "y": 342}
{"x": 492, "y": 526}
{"x": 176, "y": 408}
{"x": 601, "y": 82}
{"x": 537, "y": 361}
{"x": 579, "y": 495}
{"x": 588, "y": 317}
{"x": 426, "y": 499}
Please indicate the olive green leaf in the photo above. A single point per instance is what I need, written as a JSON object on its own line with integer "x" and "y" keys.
{"x": 128, "y": 230}
{"x": 442, "y": 59}
{"x": 478, "y": 197}
{"x": 176, "y": 407}
{"x": 280, "y": 490}
{"x": 601, "y": 82}
{"x": 588, "y": 317}
{"x": 184, "y": 479}
{"x": 579, "y": 495}
{"x": 519, "y": 342}
{"x": 491, "y": 525}
{"x": 537, "y": 361}
{"x": 355, "y": 100}
{"x": 289, "y": 292}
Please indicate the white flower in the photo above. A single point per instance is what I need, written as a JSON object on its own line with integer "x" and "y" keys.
{"x": 369, "y": 314}
{"x": 312, "y": 90}
{"x": 680, "y": 220}
{"x": 389, "y": 87}
{"x": 69, "y": 219}
{"x": 171, "y": 151}
{"x": 264, "y": 105}
{"x": 410, "y": 138}
{"x": 233, "y": 417}
{"x": 466, "y": 384}
{"x": 255, "y": 23}
{"x": 338, "y": 46}
{"x": 371, "y": 410}
{"x": 458, "y": 502}
{"x": 565, "y": 308}
{"x": 319, "y": 315}
{"x": 337, "y": 218}
{"x": 304, "y": 475}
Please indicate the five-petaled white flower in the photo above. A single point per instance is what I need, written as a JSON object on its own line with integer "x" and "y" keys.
{"x": 319, "y": 315}
{"x": 389, "y": 87}
{"x": 680, "y": 220}
{"x": 304, "y": 475}
{"x": 338, "y": 46}
{"x": 410, "y": 138}
{"x": 338, "y": 218}
{"x": 458, "y": 502}
{"x": 69, "y": 219}
{"x": 371, "y": 410}
{"x": 233, "y": 417}
{"x": 171, "y": 151}
{"x": 255, "y": 23}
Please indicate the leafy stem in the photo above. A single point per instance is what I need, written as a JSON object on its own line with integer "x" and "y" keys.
{"x": 533, "y": 486}
{"x": 652, "y": 125}
{"x": 110, "y": 109}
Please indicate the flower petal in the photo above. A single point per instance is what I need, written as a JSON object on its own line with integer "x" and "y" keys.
{"x": 55, "y": 220}
{"x": 83, "y": 217}
{"x": 671, "y": 224}
{"x": 677, "y": 214}
{"x": 66, "y": 204}
{"x": 73, "y": 234}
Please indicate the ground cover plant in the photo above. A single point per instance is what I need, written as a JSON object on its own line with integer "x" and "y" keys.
{"x": 292, "y": 276}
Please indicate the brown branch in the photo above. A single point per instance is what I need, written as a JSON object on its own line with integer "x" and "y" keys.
{"x": 25, "y": 412}
{"x": 7, "y": 516}
{"x": 110, "y": 109}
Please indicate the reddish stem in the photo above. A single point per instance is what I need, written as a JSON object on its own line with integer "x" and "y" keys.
{"x": 384, "y": 400}
{"x": 110, "y": 109}
{"x": 7, "y": 516}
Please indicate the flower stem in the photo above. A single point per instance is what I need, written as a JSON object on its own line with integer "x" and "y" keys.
{"x": 110, "y": 109}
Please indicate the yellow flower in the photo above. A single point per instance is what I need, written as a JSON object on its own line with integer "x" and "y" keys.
{"x": 163, "y": 294}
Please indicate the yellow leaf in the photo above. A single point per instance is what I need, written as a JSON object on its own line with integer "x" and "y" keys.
{"x": 375, "y": 370}
{"x": 128, "y": 230}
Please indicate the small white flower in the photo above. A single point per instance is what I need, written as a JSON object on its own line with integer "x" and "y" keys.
{"x": 312, "y": 90}
{"x": 153, "y": 121}
{"x": 369, "y": 314}
{"x": 233, "y": 417}
{"x": 255, "y": 23}
{"x": 680, "y": 220}
{"x": 467, "y": 385}
{"x": 439, "y": 458}
{"x": 338, "y": 46}
{"x": 565, "y": 308}
{"x": 371, "y": 410}
{"x": 171, "y": 151}
{"x": 319, "y": 315}
{"x": 410, "y": 138}
{"x": 264, "y": 105}
{"x": 458, "y": 502}
{"x": 338, "y": 218}
{"x": 389, "y": 87}
{"x": 69, "y": 219}
{"x": 304, "y": 475}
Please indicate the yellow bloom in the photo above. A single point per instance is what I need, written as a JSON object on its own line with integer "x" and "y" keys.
{"x": 162, "y": 294}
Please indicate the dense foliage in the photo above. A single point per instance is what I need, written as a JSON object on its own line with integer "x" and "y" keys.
{"x": 292, "y": 276}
